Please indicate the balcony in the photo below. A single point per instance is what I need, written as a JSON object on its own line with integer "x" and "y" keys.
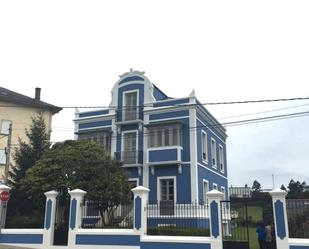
{"x": 130, "y": 158}
{"x": 164, "y": 155}
{"x": 129, "y": 115}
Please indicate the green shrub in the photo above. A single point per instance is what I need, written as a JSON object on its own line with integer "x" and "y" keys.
{"x": 176, "y": 231}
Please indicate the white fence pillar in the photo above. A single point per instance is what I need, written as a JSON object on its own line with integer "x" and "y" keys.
{"x": 49, "y": 221}
{"x": 214, "y": 200}
{"x": 3, "y": 205}
{"x": 281, "y": 222}
{"x": 140, "y": 212}
{"x": 75, "y": 222}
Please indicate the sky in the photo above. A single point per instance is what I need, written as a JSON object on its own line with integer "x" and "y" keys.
{"x": 225, "y": 50}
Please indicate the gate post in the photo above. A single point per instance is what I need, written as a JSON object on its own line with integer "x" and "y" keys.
{"x": 280, "y": 216}
{"x": 49, "y": 220}
{"x": 140, "y": 211}
{"x": 214, "y": 200}
{"x": 3, "y": 205}
{"x": 75, "y": 222}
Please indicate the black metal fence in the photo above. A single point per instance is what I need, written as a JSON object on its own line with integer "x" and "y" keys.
{"x": 177, "y": 219}
{"x": 96, "y": 214}
{"x": 298, "y": 217}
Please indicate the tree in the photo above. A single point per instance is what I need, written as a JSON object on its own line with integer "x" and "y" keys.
{"x": 25, "y": 156}
{"x": 256, "y": 186}
{"x": 296, "y": 187}
{"x": 283, "y": 187}
{"x": 79, "y": 164}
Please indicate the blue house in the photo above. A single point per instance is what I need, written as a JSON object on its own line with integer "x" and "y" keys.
{"x": 173, "y": 146}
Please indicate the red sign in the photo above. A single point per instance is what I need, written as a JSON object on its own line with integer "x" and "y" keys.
{"x": 4, "y": 196}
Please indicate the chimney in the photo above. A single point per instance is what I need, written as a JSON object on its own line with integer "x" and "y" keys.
{"x": 37, "y": 94}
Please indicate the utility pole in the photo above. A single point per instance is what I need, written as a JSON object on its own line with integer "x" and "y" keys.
{"x": 7, "y": 152}
{"x": 273, "y": 179}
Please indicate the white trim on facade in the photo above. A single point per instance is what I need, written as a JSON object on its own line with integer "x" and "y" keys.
{"x": 221, "y": 158}
{"x": 207, "y": 190}
{"x": 223, "y": 190}
{"x": 206, "y": 126}
{"x": 193, "y": 155}
{"x": 215, "y": 186}
{"x": 122, "y": 147}
{"x": 204, "y": 146}
{"x": 103, "y": 117}
{"x": 123, "y": 111}
{"x": 205, "y": 167}
{"x": 145, "y": 154}
{"x": 156, "y": 121}
{"x": 134, "y": 179}
{"x": 159, "y": 186}
{"x": 95, "y": 127}
{"x": 213, "y": 153}
{"x": 76, "y": 124}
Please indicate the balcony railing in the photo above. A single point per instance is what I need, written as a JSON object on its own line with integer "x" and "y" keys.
{"x": 128, "y": 114}
{"x": 130, "y": 157}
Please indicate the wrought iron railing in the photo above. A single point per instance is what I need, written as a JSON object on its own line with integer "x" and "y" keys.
{"x": 130, "y": 157}
{"x": 95, "y": 214}
{"x": 298, "y": 217}
{"x": 178, "y": 219}
{"x": 128, "y": 114}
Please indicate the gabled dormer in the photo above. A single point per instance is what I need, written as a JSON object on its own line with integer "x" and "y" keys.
{"x": 130, "y": 94}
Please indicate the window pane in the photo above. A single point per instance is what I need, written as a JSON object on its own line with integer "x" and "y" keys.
{"x": 151, "y": 137}
{"x": 159, "y": 138}
{"x": 2, "y": 157}
{"x": 166, "y": 137}
{"x": 5, "y": 126}
{"x": 175, "y": 137}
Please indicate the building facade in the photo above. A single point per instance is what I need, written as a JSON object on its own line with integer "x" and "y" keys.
{"x": 16, "y": 110}
{"x": 173, "y": 146}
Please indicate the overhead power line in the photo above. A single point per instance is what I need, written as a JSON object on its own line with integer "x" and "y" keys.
{"x": 228, "y": 124}
{"x": 185, "y": 104}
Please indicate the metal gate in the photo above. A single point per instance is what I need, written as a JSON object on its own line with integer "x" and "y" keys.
{"x": 62, "y": 220}
{"x": 235, "y": 229}
{"x": 242, "y": 216}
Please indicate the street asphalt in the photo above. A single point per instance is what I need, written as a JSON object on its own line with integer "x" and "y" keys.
{"x": 10, "y": 247}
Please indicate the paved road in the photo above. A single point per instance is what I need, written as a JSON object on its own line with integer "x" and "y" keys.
{"x": 10, "y": 247}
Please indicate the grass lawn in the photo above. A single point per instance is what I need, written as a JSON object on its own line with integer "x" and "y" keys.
{"x": 256, "y": 213}
{"x": 253, "y": 241}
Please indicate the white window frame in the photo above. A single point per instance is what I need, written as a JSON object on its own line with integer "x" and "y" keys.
{"x": 124, "y": 102}
{"x": 205, "y": 190}
{"x": 204, "y": 147}
{"x": 221, "y": 158}
{"x": 2, "y": 157}
{"x": 134, "y": 180}
{"x": 2, "y": 122}
{"x": 213, "y": 186}
{"x": 213, "y": 153}
{"x": 122, "y": 142}
{"x": 159, "y": 186}
{"x": 222, "y": 189}
{"x": 162, "y": 129}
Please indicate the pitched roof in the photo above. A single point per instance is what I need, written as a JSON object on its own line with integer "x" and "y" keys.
{"x": 7, "y": 95}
